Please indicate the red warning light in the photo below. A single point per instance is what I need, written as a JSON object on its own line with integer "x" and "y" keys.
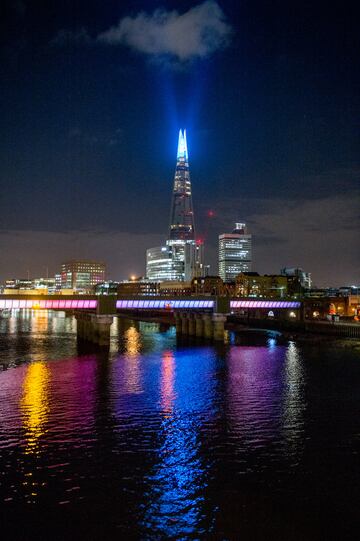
{"x": 211, "y": 213}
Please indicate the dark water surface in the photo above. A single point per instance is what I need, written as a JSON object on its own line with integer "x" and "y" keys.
{"x": 160, "y": 439}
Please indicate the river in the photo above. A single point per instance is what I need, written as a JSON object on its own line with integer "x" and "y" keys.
{"x": 166, "y": 439}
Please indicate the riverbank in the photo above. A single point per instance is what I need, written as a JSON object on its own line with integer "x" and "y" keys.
{"x": 301, "y": 337}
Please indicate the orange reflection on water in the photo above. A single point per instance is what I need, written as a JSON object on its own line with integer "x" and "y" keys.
{"x": 132, "y": 360}
{"x": 40, "y": 321}
{"x": 167, "y": 392}
{"x": 34, "y": 404}
{"x": 132, "y": 342}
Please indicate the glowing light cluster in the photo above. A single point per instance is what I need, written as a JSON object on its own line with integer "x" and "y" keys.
{"x": 265, "y": 304}
{"x": 182, "y": 151}
{"x": 164, "y": 304}
{"x": 48, "y": 304}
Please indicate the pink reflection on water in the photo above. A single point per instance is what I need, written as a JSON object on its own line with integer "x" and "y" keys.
{"x": 73, "y": 399}
{"x": 254, "y": 393}
{"x": 46, "y": 401}
{"x": 167, "y": 392}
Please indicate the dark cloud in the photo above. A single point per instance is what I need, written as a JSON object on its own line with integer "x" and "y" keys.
{"x": 319, "y": 235}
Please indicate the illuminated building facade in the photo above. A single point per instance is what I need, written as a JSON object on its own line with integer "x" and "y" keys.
{"x": 164, "y": 263}
{"x": 106, "y": 288}
{"x": 194, "y": 260}
{"x": 182, "y": 257}
{"x": 57, "y": 282}
{"x": 82, "y": 275}
{"x": 235, "y": 253}
{"x": 24, "y": 286}
{"x": 182, "y": 215}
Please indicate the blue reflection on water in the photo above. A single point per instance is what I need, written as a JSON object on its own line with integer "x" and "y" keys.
{"x": 176, "y": 485}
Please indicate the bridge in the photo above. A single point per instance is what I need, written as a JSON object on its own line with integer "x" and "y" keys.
{"x": 202, "y": 316}
{"x": 112, "y": 303}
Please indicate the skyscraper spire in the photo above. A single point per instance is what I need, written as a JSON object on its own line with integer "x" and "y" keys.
{"x": 181, "y": 215}
{"x": 182, "y": 152}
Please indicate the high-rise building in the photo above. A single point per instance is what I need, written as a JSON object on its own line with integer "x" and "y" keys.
{"x": 57, "y": 282}
{"x": 181, "y": 214}
{"x": 194, "y": 260}
{"x": 182, "y": 257}
{"x": 235, "y": 253}
{"x": 82, "y": 275}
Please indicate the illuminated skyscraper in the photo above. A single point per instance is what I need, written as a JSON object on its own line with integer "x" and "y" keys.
{"x": 182, "y": 258}
{"x": 235, "y": 253}
{"x": 182, "y": 215}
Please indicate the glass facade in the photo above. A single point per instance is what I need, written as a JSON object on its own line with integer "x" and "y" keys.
{"x": 182, "y": 215}
{"x": 235, "y": 253}
{"x": 164, "y": 263}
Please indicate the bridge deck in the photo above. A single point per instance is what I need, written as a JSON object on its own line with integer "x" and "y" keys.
{"x": 110, "y": 304}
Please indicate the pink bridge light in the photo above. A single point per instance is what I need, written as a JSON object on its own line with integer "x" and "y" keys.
{"x": 49, "y": 304}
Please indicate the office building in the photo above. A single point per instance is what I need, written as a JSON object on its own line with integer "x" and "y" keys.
{"x": 235, "y": 253}
{"x": 82, "y": 275}
{"x": 194, "y": 260}
{"x": 57, "y": 282}
{"x": 164, "y": 263}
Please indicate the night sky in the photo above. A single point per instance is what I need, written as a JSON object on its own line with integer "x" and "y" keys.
{"x": 93, "y": 94}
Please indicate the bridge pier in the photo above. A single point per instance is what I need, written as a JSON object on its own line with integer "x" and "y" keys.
{"x": 211, "y": 326}
{"x": 208, "y": 326}
{"x": 184, "y": 323}
{"x": 101, "y": 329}
{"x": 219, "y": 326}
{"x": 94, "y": 328}
{"x": 178, "y": 322}
{"x": 199, "y": 325}
{"x": 191, "y": 317}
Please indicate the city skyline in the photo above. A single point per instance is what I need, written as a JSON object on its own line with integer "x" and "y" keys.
{"x": 179, "y": 280}
{"x": 91, "y": 115}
